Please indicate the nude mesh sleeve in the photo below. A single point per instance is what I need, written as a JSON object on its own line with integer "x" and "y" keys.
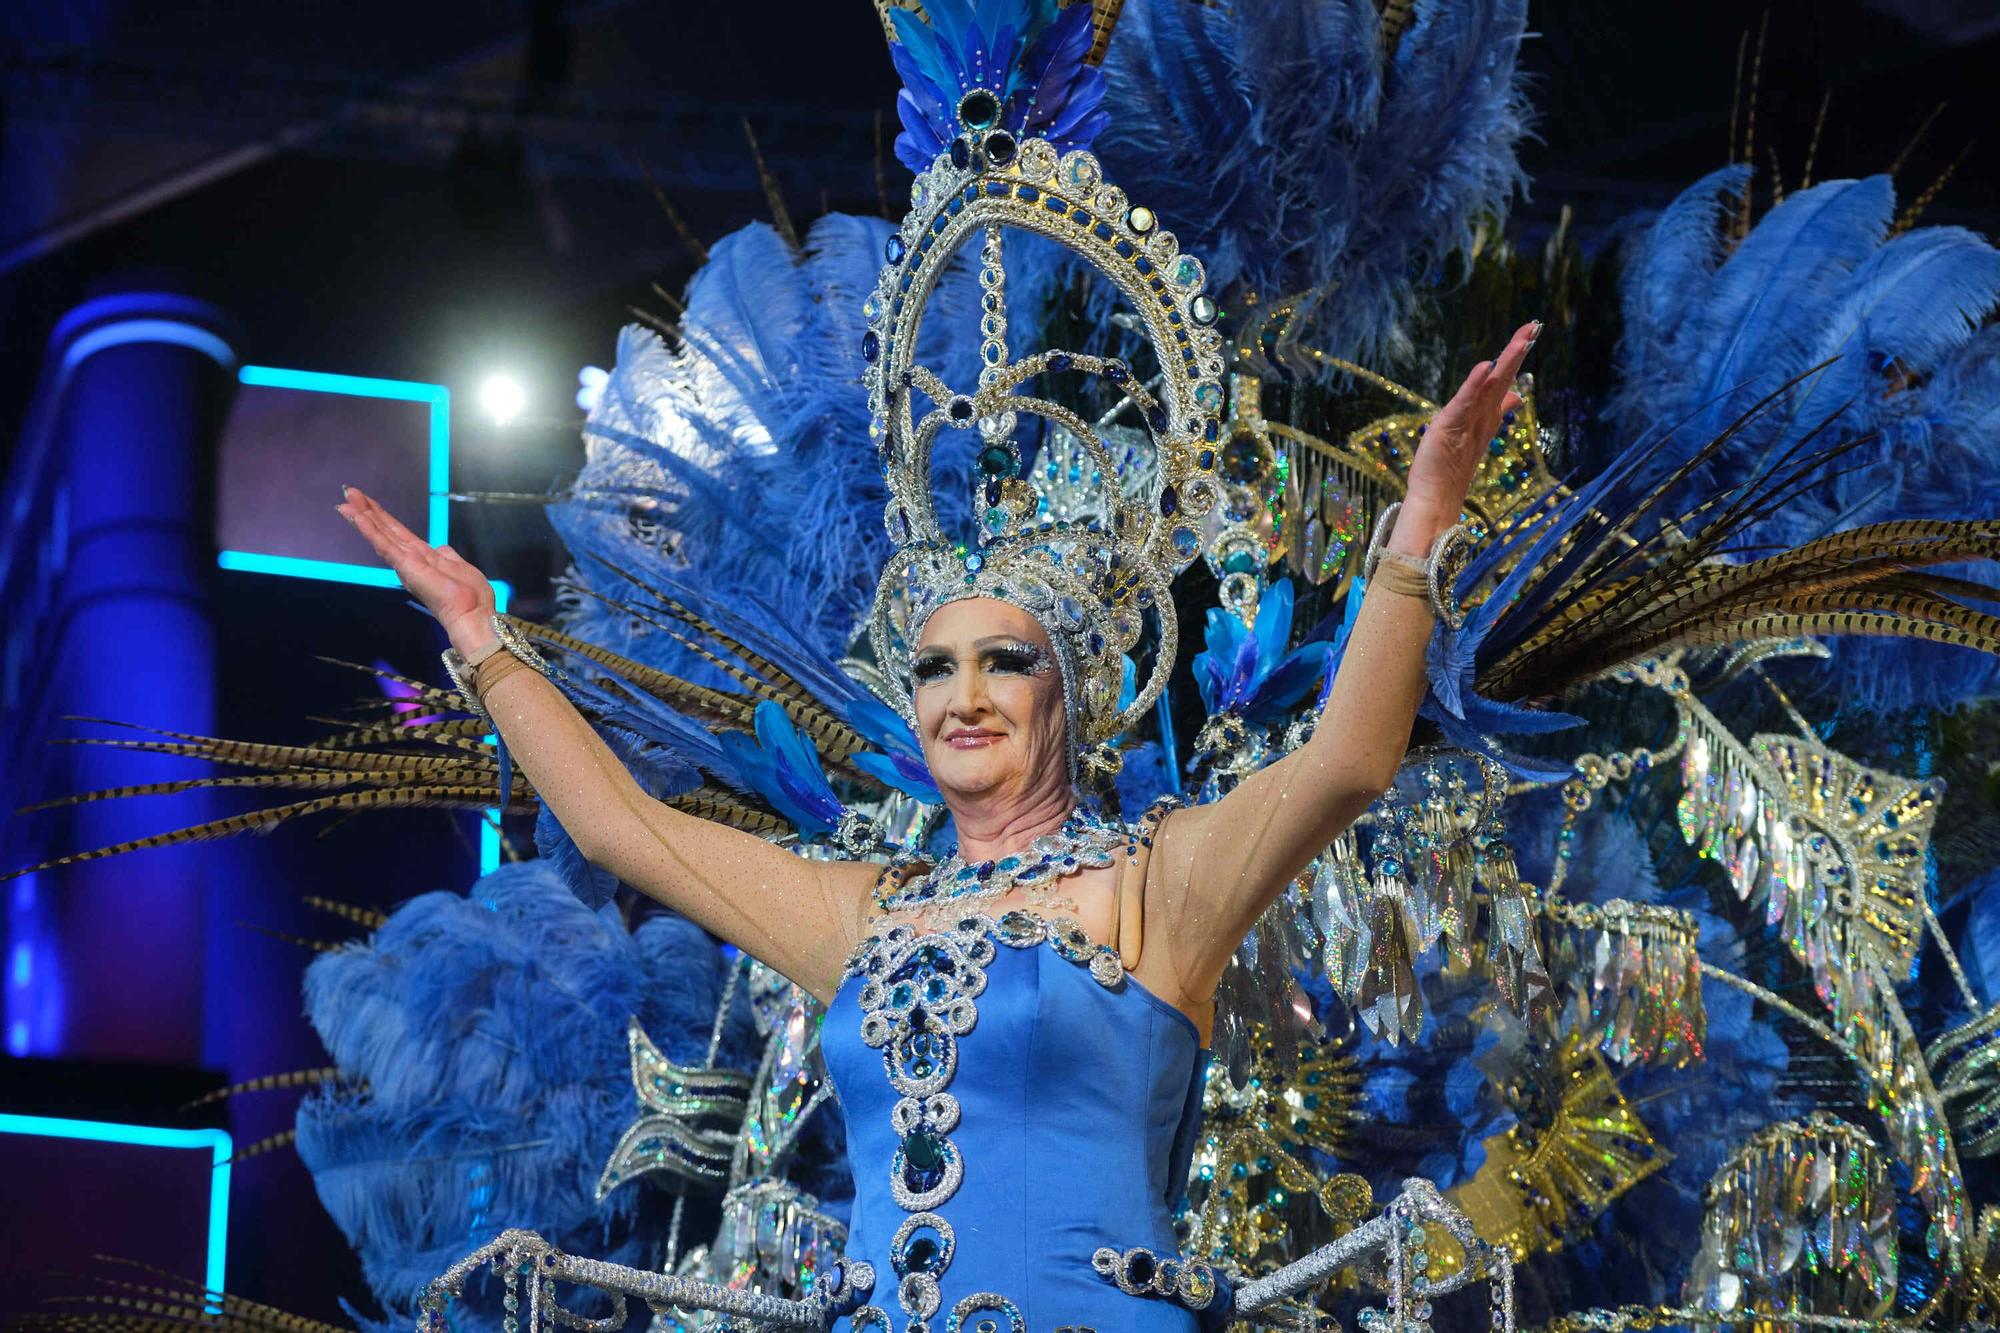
{"x": 1215, "y": 868}
{"x": 798, "y": 916}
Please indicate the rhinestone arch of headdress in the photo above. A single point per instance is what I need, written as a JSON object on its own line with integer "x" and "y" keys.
{"x": 1087, "y": 584}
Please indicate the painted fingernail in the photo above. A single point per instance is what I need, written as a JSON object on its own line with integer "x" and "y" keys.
{"x": 344, "y": 489}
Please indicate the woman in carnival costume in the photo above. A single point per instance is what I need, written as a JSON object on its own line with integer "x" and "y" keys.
{"x": 1019, "y": 1029}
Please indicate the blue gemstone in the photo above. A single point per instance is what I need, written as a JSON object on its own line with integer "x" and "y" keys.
{"x": 1170, "y": 502}
{"x": 922, "y": 1254}
{"x": 923, "y": 1155}
{"x": 1059, "y": 361}
{"x": 1115, "y": 372}
{"x": 894, "y": 249}
{"x": 975, "y": 562}
{"x": 871, "y": 346}
{"x": 1156, "y": 416}
{"x": 961, "y": 153}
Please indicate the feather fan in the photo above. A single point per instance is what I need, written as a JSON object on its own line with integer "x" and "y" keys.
{"x": 1886, "y": 330}
{"x": 489, "y": 1030}
{"x": 740, "y": 461}
{"x": 1293, "y": 152}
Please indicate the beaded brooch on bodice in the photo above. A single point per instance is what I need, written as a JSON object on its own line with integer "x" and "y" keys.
{"x": 918, "y": 997}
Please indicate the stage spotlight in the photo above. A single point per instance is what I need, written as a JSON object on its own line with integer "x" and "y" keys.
{"x": 501, "y": 397}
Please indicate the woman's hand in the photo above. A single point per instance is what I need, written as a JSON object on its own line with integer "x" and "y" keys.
{"x": 443, "y": 580}
{"x": 1455, "y": 441}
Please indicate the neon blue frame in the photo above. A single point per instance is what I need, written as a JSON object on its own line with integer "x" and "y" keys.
{"x": 404, "y": 391}
{"x": 438, "y": 519}
{"x": 148, "y": 1136}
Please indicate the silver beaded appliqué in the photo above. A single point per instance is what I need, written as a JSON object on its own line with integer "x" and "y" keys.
{"x": 919, "y": 995}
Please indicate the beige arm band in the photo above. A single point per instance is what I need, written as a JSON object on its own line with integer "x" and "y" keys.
{"x": 492, "y": 668}
{"x": 1402, "y": 573}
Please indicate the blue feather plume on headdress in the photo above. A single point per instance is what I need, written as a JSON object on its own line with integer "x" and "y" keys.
{"x": 1029, "y": 55}
{"x": 1282, "y": 146}
{"x": 740, "y": 461}
{"x": 1245, "y": 670}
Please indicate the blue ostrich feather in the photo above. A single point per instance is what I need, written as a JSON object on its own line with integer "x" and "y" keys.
{"x": 1028, "y": 54}
{"x": 1283, "y": 148}
{"x": 738, "y": 459}
{"x": 482, "y": 1042}
{"x": 1912, "y": 371}
{"x": 782, "y": 765}
{"x": 1245, "y": 669}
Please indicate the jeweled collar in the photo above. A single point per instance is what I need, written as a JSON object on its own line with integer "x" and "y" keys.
{"x": 972, "y": 934}
{"x": 1084, "y": 841}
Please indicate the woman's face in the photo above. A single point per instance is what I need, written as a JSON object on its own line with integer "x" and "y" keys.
{"x": 989, "y": 703}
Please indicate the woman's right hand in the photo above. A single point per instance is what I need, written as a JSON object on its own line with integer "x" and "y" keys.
{"x": 443, "y": 580}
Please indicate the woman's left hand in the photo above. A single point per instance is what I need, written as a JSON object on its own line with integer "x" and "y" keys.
{"x": 1456, "y": 439}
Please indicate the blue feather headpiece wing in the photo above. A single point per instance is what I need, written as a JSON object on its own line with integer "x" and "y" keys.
{"x": 1031, "y": 56}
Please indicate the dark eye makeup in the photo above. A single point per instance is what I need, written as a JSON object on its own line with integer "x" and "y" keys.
{"x": 1006, "y": 659}
{"x": 1018, "y": 659}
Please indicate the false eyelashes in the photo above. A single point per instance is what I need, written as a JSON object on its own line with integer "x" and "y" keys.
{"x": 1018, "y": 658}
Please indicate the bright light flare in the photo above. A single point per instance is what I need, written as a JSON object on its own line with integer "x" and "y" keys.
{"x": 501, "y": 397}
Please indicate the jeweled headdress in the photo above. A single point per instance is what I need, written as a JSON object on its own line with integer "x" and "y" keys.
{"x": 1089, "y": 538}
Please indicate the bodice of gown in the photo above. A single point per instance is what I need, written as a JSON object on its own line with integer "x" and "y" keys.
{"x": 1013, "y": 1102}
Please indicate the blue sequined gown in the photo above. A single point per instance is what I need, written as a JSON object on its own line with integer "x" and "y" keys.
{"x": 1013, "y": 1102}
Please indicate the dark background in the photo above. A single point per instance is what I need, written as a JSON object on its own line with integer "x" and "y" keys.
{"x": 429, "y": 191}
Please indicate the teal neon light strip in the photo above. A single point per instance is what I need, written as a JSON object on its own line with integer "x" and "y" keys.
{"x": 437, "y": 519}
{"x": 407, "y": 391}
{"x": 253, "y": 562}
{"x": 148, "y": 1136}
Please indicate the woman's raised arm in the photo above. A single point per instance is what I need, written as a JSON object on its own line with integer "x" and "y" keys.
{"x": 799, "y": 916}
{"x": 1216, "y": 867}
